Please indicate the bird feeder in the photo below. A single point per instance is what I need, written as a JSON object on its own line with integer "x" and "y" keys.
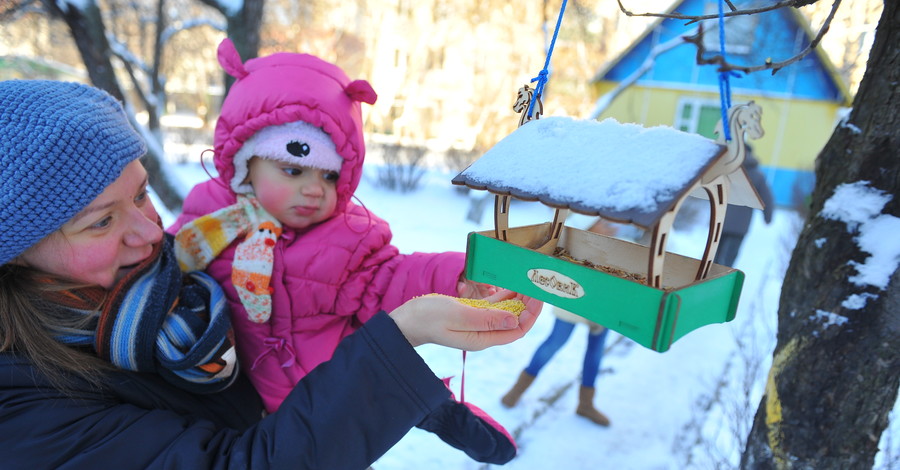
{"x": 624, "y": 173}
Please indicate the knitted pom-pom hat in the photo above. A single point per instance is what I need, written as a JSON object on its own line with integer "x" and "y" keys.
{"x": 298, "y": 143}
{"x": 284, "y": 88}
{"x": 61, "y": 145}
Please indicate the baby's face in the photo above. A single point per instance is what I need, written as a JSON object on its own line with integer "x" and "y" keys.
{"x": 298, "y": 196}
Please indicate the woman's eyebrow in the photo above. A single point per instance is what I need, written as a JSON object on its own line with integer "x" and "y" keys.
{"x": 91, "y": 209}
{"x": 145, "y": 183}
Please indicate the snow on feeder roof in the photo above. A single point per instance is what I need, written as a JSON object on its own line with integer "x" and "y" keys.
{"x": 623, "y": 172}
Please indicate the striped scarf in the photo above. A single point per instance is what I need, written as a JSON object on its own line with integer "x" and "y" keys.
{"x": 158, "y": 320}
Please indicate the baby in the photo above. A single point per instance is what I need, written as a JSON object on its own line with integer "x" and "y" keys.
{"x": 301, "y": 264}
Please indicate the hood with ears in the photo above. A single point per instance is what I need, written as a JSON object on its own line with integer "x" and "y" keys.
{"x": 288, "y": 87}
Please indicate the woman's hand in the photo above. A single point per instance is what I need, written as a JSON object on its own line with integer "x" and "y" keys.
{"x": 443, "y": 320}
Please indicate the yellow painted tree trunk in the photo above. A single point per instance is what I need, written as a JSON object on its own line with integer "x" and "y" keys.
{"x": 836, "y": 366}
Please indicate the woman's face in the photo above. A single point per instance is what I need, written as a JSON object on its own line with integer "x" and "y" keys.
{"x": 107, "y": 239}
{"x": 298, "y": 196}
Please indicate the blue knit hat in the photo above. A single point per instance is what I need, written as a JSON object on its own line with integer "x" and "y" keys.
{"x": 61, "y": 145}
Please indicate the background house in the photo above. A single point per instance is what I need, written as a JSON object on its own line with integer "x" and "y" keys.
{"x": 801, "y": 103}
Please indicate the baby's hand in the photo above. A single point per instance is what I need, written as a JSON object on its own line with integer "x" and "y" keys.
{"x": 474, "y": 290}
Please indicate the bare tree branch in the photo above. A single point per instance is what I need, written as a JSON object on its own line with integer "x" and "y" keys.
{"x": 695, "y": 18}
{"x": 134, "y": 66}
{"x": 724, "y": 65}
{"x": 604, "y": 101}
{"x": 180, "y": 26}
{"x": 123, "y": 53}
{"x": 11, "y": 8}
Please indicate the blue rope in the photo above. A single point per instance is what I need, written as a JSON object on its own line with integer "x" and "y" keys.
{"x": 545, "y": 72}
{"x": 724, "y": 85}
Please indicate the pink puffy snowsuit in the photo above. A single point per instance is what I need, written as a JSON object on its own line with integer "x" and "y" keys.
{"x": 329, "y": 278}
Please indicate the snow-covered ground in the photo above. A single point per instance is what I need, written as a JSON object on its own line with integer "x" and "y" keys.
{"x": 689, "y": 407}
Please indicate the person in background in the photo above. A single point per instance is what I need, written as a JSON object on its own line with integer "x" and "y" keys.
{"x": 593, "y": 354}
{"x": 737, "y": 218}
{"x": 110, "y": 354}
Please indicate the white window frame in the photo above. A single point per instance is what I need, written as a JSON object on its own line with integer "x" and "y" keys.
{"x": 692, "y": 121}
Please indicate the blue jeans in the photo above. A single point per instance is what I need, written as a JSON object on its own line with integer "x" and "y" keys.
{"x": 558, "y": 337}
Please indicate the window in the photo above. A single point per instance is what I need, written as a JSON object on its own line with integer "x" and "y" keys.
{"x": 698, "y": 116}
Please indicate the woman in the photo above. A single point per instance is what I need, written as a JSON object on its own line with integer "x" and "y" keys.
{"x": 108, "y": 354}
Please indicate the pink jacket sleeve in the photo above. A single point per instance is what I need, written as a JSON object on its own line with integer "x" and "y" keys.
{"x": 383, "y": 279}
{"x": 422, "y": 273}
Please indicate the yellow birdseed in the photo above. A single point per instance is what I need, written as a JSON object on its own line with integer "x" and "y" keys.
{"x": 480, "y": 303}
{"x": 514, "y": 306}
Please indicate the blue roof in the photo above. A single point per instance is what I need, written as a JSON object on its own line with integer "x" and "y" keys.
{"x": 778, "y": 35}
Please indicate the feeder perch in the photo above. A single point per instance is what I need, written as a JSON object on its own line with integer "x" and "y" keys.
{"x": 627, "y": 174}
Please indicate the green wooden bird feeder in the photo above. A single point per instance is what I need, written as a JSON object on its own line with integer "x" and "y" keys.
{"x": 627, "y": 174}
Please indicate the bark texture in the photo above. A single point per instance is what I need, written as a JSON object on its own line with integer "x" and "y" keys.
{"x": 832, "y": 385}
{"x": 243, "y": 27}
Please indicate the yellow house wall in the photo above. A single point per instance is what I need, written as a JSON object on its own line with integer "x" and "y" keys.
{"x": 795, "y": 130}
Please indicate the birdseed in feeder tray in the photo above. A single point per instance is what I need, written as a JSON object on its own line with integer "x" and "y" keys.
{"x": 562, "y": 253}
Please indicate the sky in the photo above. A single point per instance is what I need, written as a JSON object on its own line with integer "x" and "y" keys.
{"x": 689, "y": 407}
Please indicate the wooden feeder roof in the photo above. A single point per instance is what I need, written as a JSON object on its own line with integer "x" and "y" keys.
{"x": 622, "y": 172}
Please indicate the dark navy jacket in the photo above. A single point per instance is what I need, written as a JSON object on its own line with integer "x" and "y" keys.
{"x": 344, "y": 414}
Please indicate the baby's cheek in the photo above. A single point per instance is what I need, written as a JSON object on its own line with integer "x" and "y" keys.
{"x": 276, "y": 198}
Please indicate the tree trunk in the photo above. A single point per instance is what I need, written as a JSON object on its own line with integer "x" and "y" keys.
{"x": 833, "y": 383}
{"x": 243, "y": 29}
{"x": 89, "y": 32}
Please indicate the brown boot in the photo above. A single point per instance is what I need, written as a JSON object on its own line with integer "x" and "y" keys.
{"x": 586, "y": 407}
{"x": 512, "y": 396}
